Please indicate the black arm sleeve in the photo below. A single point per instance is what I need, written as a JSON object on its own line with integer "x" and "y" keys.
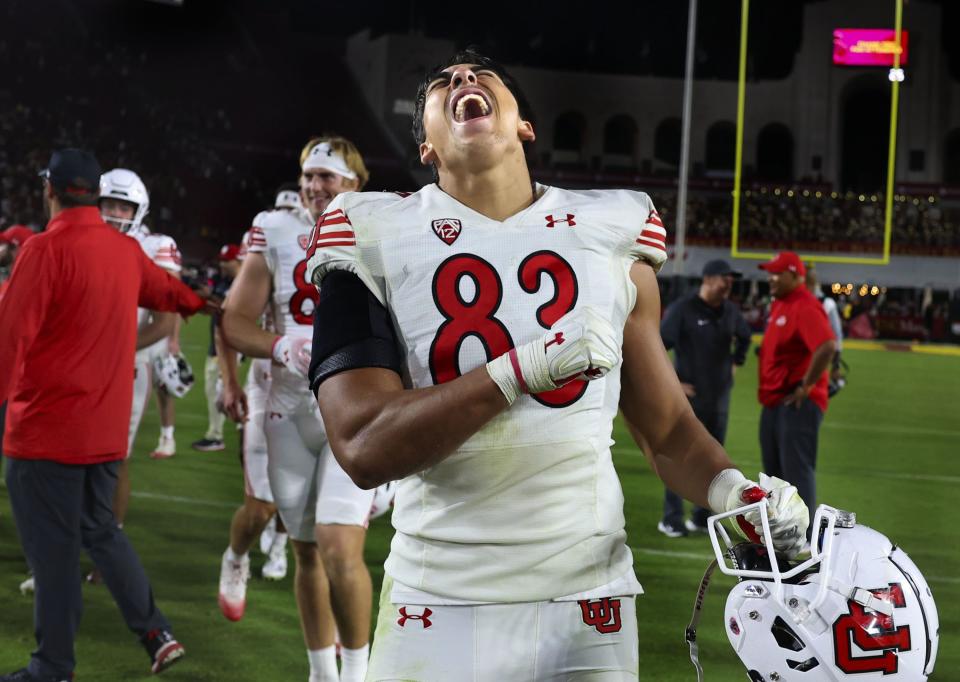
{"x": 351, "y": 329}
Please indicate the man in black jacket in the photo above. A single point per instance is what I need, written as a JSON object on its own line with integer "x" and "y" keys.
{"x": 709, "y": 338}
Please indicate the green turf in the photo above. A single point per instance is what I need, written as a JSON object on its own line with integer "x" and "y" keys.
{"x": 888, "y": 450}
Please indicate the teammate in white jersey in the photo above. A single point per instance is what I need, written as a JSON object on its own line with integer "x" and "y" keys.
{"x": 124, "y": 203}
{"x": 468, "y": 339}
{"x": 324, "y": 512}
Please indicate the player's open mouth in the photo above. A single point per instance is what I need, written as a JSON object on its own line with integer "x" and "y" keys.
{"x": 469, "y": 104}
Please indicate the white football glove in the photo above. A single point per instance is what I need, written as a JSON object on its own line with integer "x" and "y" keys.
{"x": 786, "y": 511}
{"x": 580, "y": 345}
{"x": 293, "y": 352}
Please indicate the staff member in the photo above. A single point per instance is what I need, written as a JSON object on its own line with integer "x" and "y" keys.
{"x": 709, "y": 337}
{"x": 69, "y": 317}
{"x": 797, "y": 348}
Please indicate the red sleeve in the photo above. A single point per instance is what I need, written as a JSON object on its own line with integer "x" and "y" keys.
{"x": 815, "y": 328}
{"x": 161, "y": 291}
{"x": 23, "y": 308}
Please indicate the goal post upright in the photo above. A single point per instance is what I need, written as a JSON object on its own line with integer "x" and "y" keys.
{"x": 735, "y": 251}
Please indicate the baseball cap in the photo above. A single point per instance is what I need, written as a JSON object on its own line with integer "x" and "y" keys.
{"x": 73, "y": 171}
{"x": 785, "y": 260}
{"x": 16, "y": 235}
{"x": 324, "y": 157}
{"x": 229, "y": 252}
{"x": 720, "y": 267}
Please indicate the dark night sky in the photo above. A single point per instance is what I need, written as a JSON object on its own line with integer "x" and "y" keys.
{"x": 640, "y": 37}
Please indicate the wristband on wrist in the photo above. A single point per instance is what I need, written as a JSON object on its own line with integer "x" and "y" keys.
{"x": 722, "y": 487}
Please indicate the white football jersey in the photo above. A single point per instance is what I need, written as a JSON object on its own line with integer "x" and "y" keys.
{"x": 162, "y": 250}
{"x": 282, "y": 237}
{"x": 530, "y": 507}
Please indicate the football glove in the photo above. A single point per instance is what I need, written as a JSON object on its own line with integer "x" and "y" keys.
{"x": 293, "y": 352}
{"x": 581, "y": 345}
{"x": 786, "y": 511}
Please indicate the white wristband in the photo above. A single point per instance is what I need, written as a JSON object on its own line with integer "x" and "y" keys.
{"x": 723, "y": 485}
{"x": 501, "y": 371}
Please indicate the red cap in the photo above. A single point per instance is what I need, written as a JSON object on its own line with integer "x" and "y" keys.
{"x": 229, "y": 252}
{"x": 785, "y": 260}
{"x": 16, "y": 235}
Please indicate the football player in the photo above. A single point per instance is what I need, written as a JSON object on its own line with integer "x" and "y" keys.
{"x": 468, "y": 340}
{"x": 324, "y": 512}
{"x": 124, "y": 203}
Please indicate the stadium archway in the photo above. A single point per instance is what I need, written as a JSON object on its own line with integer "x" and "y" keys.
{"x": 775, "y": 153}
{"x": 666, "y": 141}
{"x": 620, "y": 141}
{"x": 721, "y": 146}
{"x": 569, "y": 130}
{"x": 865, "y": 131}
{"x": 951, "y": 158}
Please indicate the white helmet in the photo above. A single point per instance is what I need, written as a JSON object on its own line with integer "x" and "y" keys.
{"x": 173, "y": 373}
{"x": 125, "y": 185}
{"x": 857, "y": 609}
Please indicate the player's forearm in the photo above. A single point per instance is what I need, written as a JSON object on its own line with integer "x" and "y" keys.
{"x": 379, "y": 435}
{"x": 819, "y": 363}
{"x": 226, "y": 358}
{"x": 688, "y": 458}
{"x": 160, "y": 327}
{"x": 246, "y": 335}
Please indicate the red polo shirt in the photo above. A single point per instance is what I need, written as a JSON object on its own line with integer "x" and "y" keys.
{"x": 797, "y": 326}
{"x": 69, "y": 326}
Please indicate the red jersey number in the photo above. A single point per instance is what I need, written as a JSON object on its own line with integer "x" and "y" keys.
{"x": 477, "y": 317}
{"x": 305, "y": 292}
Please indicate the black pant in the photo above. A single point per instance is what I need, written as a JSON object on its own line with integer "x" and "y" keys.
{"x": 59, "y": 509}
{"x": 716, "y": 423}
{"x": 788, "y": 447}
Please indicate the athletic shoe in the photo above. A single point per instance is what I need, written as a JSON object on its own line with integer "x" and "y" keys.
{"x": 208, "y": 445}
{"x": 27, "y": 586}
{"x": 94, "y": 577}
{"x": 166, "y": 448}
{"x": 162, "y": 649}
{"x": 23, "y": 675}
{"x": 268, "y": 535}
{"x": 672, "y": 529}
{"x": 276, "y": 566}
{"x": 233, "y": 586}
{"x": 693, "y": 527}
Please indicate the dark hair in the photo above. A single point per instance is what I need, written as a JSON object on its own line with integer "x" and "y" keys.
{"x": 287, "y": 187}
{"x": 469, "y": 55}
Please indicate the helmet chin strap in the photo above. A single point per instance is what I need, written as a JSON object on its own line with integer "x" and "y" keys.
{"x": 691, "y": 632}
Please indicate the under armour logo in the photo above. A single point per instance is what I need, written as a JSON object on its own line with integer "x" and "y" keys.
{"x": 276, "y": 415}
{"x": 603, "y": 614}
{"x": 557, "y": 339}
{"x": 424, "y": 617}
{"x": 551, "y": 221}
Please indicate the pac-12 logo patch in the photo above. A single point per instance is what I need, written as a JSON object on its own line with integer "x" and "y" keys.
{"x": 603, "y": 614}
{"x": 447, "y": 229}
{"x": 304, "y": 240}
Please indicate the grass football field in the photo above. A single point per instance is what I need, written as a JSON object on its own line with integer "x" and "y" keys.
{"x": 889, "y": 450}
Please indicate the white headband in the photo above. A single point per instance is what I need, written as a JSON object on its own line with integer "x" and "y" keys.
{"x": 323, "y": 157}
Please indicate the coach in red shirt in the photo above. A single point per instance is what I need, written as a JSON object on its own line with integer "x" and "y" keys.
{"x": 69, "y": 321}
{"x": 797, "y": 348}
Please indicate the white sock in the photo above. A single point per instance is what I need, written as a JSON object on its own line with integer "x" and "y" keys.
{"x": 233, "y": 556}
{"x": 323, "y": 664}
{"x": 166, "y": 432}
{"x": 354, "y": 663}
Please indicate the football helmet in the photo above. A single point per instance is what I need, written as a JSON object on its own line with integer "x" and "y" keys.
{"x": 857, "y": 609}
{"x": 125, "y": 185}
{"x": 173, "y": 373}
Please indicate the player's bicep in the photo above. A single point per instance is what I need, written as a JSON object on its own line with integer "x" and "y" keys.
{"x": 349, "y": 400}
{"x": 250, "y": 291}
{"x": 651, "y": 398}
